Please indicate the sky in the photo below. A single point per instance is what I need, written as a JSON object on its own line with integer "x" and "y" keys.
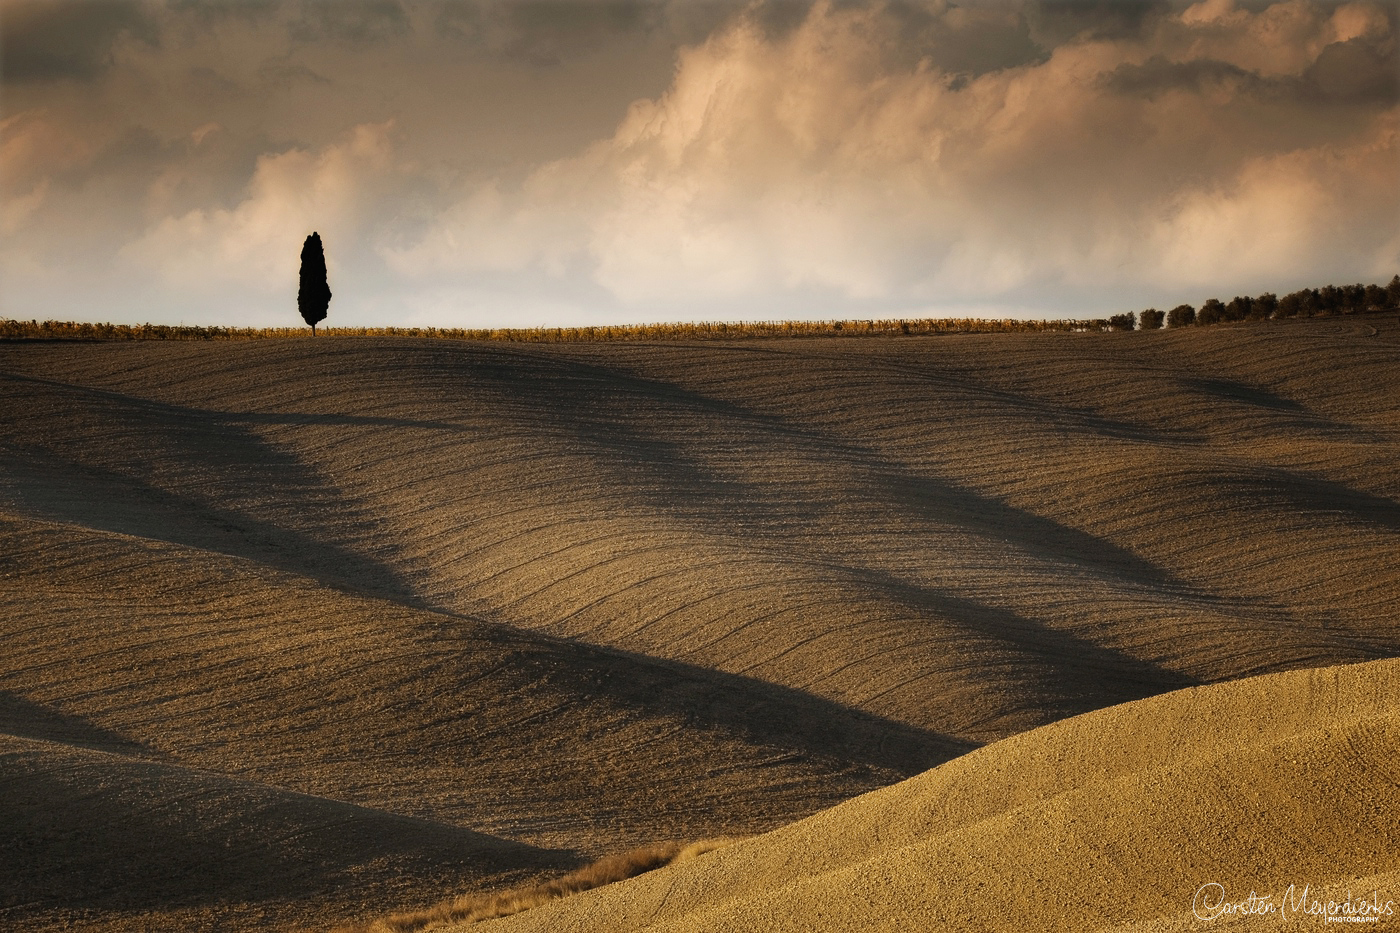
{"x": 520, "y": 163}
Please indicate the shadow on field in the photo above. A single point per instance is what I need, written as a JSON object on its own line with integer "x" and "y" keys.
{"x": 100, "y": 831}
{"x": 1295, "y": 492}
{"x": 1075, "y": 674}
{"x": 27, "y": 719}
{"x": 222, "y": 488}
{"x": 53, "y": 488}
{"x": 621, "y": 418}
{"x": 1234, "y": 391}
{"x": 1229, "y": 399}
{"x": 702, "y": 698}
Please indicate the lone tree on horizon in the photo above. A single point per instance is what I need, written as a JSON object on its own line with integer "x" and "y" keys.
{"x": 314, "y": 295}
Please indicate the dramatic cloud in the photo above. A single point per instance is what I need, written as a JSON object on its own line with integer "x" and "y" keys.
{"x": 44, "y": 41}
{"x": 1202, "y": 148}
{"x": 499, "y": 163}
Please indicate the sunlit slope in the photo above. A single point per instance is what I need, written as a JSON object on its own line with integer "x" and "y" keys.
{"x": 1112, "y": 818}
{"x": 969, "y": 535}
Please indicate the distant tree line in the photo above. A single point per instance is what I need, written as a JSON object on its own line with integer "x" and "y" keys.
{"x": 689, "y": 330}
{"x": 1307, "y": 302}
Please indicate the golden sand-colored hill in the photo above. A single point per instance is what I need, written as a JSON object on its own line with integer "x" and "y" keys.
{"x": 334, "y": 627}
{"x": 1166, "y": 813}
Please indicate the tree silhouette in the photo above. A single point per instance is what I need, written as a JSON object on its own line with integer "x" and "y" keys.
{"x": 314, "y": 295}
{"x": 1212, "y": 312}
{"x": 1181, "y": 316}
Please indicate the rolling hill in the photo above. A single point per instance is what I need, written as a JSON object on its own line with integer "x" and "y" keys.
{"x": 403, "y": 618}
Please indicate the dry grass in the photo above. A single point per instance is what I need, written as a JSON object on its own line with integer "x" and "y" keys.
{"x": 472, "y": 908}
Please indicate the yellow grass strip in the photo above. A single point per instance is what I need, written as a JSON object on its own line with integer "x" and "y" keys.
{"x": 471, "y": 908}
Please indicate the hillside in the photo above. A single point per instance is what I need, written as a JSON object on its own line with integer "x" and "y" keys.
{"x": 429, "y": 616}
{"x": 1154, "y": 815}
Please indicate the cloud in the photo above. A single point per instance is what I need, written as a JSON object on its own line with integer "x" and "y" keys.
{"x": 819, "y": 160}
{"x": 211, "y": 12}
{"x": 254, "y": 245}
{"x": 47, "y": 41}
{"x": 33, "y": 146}
{"x": 1319, "y": 207}
{"x": 1356, "y": 70}
{"x": 545, "y": 31}
{"x": 354, "y": 21}
{"x": 776, "y": 158}
{"x": 1159, "y": 75}
{"x": 1055, "y": 22}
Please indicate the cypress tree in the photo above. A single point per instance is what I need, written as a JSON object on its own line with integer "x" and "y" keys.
{"x": 314, "y": 294}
